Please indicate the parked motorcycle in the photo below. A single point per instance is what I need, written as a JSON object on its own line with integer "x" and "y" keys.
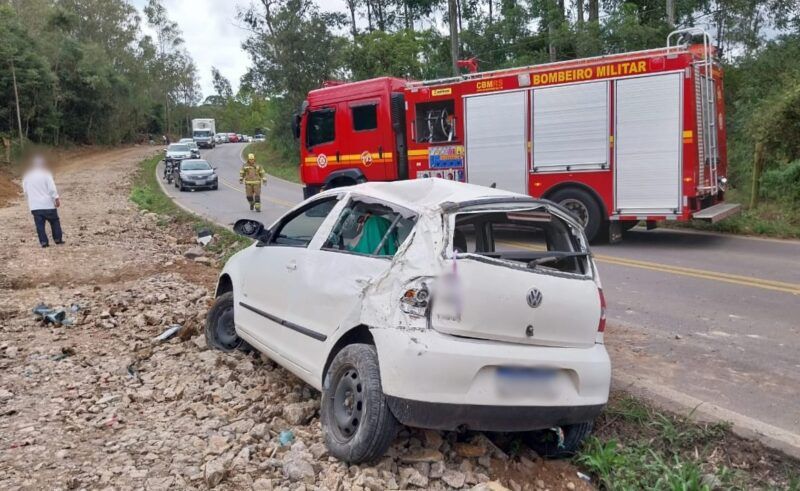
{"x": 169, "y": 167}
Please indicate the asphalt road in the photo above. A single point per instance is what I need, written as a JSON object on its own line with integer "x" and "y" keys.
{"x": 714, "y": 317}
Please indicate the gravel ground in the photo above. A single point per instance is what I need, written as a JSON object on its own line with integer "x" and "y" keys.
{"x": 100, "y": 404}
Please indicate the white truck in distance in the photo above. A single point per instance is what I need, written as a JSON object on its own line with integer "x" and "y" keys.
{"x": 203, "y": 131}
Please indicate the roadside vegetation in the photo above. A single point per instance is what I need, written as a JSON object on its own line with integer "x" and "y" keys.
{"x": 147, "y": 194}
{"x": 274, "y": 162}
{"x": 636, "y": 446}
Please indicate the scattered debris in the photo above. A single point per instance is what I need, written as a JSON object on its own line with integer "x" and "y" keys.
{"x": 286, "y": 437}
{"x": 194, "y": 252}
{"x": 171, "y": 331}
{"x": 49, "y": 315}
{"x": 66, "y": 351}
{"x": 204, "y": 236}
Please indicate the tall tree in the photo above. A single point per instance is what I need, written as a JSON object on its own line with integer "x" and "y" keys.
{"x": 168, "y": 40}
{"x": 453, "y": 21}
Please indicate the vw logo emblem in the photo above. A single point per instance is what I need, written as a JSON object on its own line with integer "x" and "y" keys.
{"x": 534, "y": 298}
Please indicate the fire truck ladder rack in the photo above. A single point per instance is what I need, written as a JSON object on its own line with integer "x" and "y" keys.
{"x": 547, "y": 66}
{"x": 708, "y": 137}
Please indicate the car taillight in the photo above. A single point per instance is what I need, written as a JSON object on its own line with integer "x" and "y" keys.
{"x": 601, "y": 326}
{"x": 415, "y": 301}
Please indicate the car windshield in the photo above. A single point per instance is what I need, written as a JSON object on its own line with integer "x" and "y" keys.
{"x": 534, "y": 238}
{"x": 195, "y": 165}
{"x": 175, "y": 147}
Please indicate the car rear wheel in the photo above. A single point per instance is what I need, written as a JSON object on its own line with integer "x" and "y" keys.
{"x": 585, "y": 208}
{"x": 546, "y": 442}
{"x": 357, "y": 424}
{"x": 220, "y": 328}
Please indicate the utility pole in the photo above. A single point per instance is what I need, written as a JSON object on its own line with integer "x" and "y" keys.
{"x": 16, "y": 99}
{"x": 453, "y": 34}
{"x": 671, "y": 13}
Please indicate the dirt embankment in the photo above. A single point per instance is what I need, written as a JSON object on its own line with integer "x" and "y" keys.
{"x": 99, "y": 404}
{"x": 9, "y": 190}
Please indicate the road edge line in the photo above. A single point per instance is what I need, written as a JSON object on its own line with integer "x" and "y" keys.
{"x": 698, "y": 410}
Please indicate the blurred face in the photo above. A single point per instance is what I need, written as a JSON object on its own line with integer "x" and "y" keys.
{"x": 37, "y": 161}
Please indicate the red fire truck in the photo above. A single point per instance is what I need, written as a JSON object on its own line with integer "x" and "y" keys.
{"x": 616, "y": 139}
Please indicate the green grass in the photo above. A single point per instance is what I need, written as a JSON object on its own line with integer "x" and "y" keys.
{"x": 147, "y": 194}
{"x": 770, "y": 218}
{"x": 272, "y": 161}
{"x": 636, "y": 446}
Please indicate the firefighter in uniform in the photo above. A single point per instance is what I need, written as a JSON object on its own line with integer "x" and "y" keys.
{"x": 252, "y": 175}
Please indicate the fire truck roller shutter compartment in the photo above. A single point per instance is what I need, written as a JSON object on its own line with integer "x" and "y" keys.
{"x": 648, "y": 145}
{"x": 570, "y": 127}
{"x": 495, "y": 134}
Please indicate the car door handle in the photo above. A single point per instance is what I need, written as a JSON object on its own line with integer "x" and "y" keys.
{"x": 291, "y": 265}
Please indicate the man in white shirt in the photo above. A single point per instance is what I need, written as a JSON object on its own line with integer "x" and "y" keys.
{"x": 43, "y": 200}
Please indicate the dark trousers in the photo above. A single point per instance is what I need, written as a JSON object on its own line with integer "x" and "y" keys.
{"x": 50, "y": 216}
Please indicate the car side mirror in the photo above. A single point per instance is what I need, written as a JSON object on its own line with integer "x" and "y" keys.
{"x": 249, "y": 228}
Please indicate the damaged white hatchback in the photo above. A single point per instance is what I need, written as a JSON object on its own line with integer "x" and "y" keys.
{"x": 428, "y": 303}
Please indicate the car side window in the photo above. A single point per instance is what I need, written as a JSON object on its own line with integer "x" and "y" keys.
{"x": 371, "y": 229}
{"x": 298, "y": 230}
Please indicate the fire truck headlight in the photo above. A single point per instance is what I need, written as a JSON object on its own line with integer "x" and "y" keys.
{"x": 722, "y": 183}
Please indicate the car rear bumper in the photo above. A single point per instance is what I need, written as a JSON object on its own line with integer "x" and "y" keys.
{"x": 441, "y": 381}
{"x": 451, "y": 417}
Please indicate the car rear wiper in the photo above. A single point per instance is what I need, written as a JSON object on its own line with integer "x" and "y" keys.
{"x": 554, "y": 256}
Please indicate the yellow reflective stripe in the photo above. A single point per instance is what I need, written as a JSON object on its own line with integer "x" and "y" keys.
{"x": 417, "y": 153}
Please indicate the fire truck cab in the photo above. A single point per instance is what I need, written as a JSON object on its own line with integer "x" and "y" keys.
{"x": 616, "y": 139}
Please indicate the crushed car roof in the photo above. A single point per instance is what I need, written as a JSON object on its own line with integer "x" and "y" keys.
{"x": 419, "y": 194}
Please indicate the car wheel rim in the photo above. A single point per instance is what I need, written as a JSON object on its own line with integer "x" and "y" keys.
{"x": 578, "y": 209}
{"x": 348, "y": 403}
{"x": 226, "y": 330}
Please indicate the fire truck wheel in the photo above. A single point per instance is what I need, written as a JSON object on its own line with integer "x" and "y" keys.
{"x": 584, "y": 207}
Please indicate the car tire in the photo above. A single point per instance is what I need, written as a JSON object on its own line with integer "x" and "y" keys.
{"x": 545, "y": 442}
{"x": 357, "y": 424}
{"x": 215, "y": 187}
{"x": 181, "y": 187}
{"x": 220, "y": 331}
{"x": 584, "y": 207}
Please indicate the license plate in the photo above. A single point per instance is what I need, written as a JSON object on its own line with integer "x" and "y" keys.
{"x": 524, "y": 382}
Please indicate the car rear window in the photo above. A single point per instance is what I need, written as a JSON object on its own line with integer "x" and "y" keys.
{"x": 195, "y": 165}
{"x": 531, "y": 238}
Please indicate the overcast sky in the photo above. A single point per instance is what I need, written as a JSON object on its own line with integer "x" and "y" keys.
{"x": 213, "y": 37}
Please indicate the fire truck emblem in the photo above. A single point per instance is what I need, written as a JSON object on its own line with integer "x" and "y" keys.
{"x": 366, "y": 158}
{"x": 322, "y": 161}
